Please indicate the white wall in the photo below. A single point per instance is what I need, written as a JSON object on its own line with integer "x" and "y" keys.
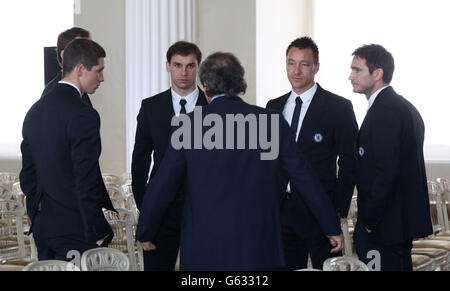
{"x": 230, "y": 26}
{"x": 105, "y": 19}
{"x": 278, "y": 23}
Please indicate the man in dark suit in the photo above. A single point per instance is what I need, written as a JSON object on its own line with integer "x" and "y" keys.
{"x": 325, "y": 127}
{"x": 231, "y": 214}
{"x": 60, "y": 150}
{"x": 152, "y": 137}
{"x": 393, "y": 205}
{"x": 63, "y": 39}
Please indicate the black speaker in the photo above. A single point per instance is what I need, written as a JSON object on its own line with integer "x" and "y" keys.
{"x": 51, "y": 66}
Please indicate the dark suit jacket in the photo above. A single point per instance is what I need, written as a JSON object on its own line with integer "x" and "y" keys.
{"x": 152, "y": 136}
{"x": 392, "y": 183}
{"x": 60, "y": 174}
{"x": 328, "y": 131}
{"x": 52, "y": 84}
{"x": 231, "y": 212}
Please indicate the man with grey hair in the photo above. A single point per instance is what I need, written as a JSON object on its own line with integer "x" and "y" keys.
{"x": 231, "y": 216}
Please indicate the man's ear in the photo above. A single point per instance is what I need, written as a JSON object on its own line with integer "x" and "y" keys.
{"x": 378, "y": 74}
{"x": 79, "y": 69}
{"x": 167, "y": 67}
{"x": 316, "y": 68}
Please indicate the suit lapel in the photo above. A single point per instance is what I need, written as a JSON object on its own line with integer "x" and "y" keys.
{"x": 314, "y": 113}
{"x": 385, "y": 92}
{"x": 279, "y": 106}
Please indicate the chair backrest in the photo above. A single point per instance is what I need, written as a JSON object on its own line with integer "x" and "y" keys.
{"x": 123, "y": 223}
{"x": 116, "y": 195}
{"x": 104, "y": 259}
{"x": 344, "y": 263}
{"x": 347, "y": 238}
{"x": 445, "y": 188}
{"x": 437, "y": 216}
{"x": 8, "y": 178}
{"x": 51, "y": 265}
{"x": 130, "y": 203}
{"x": 5, "y": 192}
{"x": 11, "y": 227}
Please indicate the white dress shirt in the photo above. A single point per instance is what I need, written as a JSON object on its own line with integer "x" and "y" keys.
{"x": 288, "y": 110}
{"x": 191, "y": 100}
{"x": 374, "y": 96}
{"x": 68, "y": 83}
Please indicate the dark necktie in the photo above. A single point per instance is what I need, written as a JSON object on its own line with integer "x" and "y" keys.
{"x": 183, "y": 107}
{"x": 296, "y": 116}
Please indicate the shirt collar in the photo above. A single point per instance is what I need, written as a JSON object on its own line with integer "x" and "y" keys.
{"x": 73, "y": 85}
{"x": 305, "y": 96}
{"x": 190, "y": 99}
{"x": 374, "y": 96}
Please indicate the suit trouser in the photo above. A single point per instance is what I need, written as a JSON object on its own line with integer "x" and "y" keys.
{"x": 302, "y": 236}
{"x": 392, "y": 257}
{"x": 167, "y": 240}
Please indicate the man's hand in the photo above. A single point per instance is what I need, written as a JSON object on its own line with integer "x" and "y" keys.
{"x": 148, "y": 246}
{"x": 336, "y": 241}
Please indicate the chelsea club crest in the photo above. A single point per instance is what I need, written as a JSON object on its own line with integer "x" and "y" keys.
{"x": 361, "y": 151}
{"x": 318, "y": 137}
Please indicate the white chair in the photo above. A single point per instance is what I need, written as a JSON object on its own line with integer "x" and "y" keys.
{"x": 422, "y": 263}
{"x": 104, "y": 259}
{"x": 130, "y": 203}
{"x": 5, "y": 192}
{"x": 445, "y": 189}
{"x": 344, "y": 263}
{"x": 123, "y": 222}
{"x": 17, "y": 195}
{"x": 51, "y": 265}
{"x": 439, "y": 257}
{"x": 12, "y": 240}
{"x": 8, "y": 178}
{"x": 437, "y": 216}
{"x": 116, "y": 195}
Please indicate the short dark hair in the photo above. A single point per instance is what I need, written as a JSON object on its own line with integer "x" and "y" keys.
{"x": 304, "y": 43}
{"x": 377, "y": 57}
{"x": 184, "y": 49}
{"x": 81, "y": 51}
{"x": 67, "y": 36}
{"x": 223, "y": 74}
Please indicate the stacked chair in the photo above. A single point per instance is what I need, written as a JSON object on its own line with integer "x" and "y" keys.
{"x": 16, "y": 248}
{"x": 124, "y": 221}
{"x": 437, "y": 246}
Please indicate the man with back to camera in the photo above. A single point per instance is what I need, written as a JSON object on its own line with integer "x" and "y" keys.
{"x": 393, "y": 203}
{"x": 231, "y": 212}
{"x": 60, "y": 151}
{"x": 326, "y": 131}
{"x": 152, "y": 137}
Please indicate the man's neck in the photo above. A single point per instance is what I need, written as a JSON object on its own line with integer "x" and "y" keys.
{"x": 183, "y": 92}
{"x": 303, "y": 90}
{"x": 375, "y": 88}
{"x": 73, "y": 80}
